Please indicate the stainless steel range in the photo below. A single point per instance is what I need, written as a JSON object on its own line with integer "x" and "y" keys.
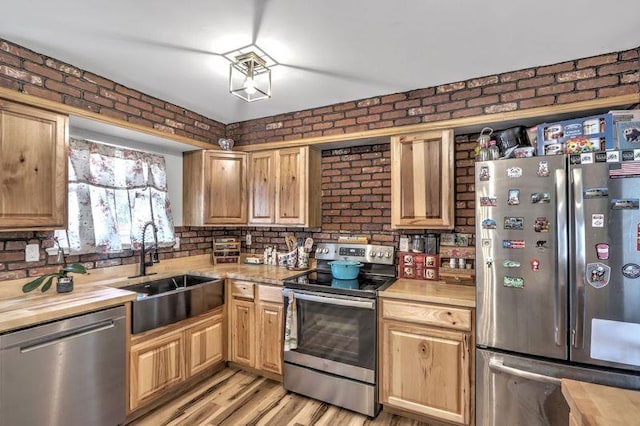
{"x": 336, "y": 356}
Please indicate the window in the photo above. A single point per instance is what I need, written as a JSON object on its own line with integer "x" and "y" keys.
{"x": 113, "y": 192}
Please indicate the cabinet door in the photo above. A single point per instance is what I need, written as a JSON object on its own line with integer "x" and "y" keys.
{"x": 291, "y": 185}
{"x": 426, "y": 371}
{"x": 156, "y": 365}
{"x": 243, "y": 332}
{"x": 33, "y": 168}
{"x": 270, "y": 330}
{"x": 422, "y": 190}
{"x": 225, "y": 176}
{"x": 262, "y": 189}
{"x": 203, "y": 345}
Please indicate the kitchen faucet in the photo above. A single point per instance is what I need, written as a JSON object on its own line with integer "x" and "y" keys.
{"x": 153, "y": 253}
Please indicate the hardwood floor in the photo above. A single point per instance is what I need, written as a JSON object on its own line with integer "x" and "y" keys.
{"x": 235, "y": 397}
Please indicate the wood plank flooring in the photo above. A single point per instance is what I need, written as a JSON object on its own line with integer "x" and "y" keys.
{"x": 235, "y": 397}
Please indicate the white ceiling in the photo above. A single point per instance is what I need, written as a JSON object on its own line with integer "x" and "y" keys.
{"x": 331, "y": 50}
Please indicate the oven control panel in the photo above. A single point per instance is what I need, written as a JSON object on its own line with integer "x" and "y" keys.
{"x": 368, "y": 253}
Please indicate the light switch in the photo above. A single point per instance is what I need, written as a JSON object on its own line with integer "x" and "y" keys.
{"x": 32, "y": 253}
{"x": 176, "y": 245}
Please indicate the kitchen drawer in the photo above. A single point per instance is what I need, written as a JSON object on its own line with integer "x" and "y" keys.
{"x": 242, "y": 289}
{"x": 267, "y": 293}
{"x": 423, "y": 313}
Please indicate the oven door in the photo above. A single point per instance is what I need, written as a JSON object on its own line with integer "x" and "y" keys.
{"x": 336, "y": 334}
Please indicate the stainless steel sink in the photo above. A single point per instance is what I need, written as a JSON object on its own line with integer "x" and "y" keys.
{"x": 169, "y": 300}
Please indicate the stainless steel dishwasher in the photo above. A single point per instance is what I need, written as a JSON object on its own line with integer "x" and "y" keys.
{"x": 68, "y": 372}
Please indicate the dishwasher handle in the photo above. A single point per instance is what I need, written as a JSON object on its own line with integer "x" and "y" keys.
{"x": 65, "y": 335}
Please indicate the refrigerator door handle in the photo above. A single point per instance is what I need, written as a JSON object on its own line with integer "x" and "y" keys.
{"x": 562, "y": 255}
{"x": 498, "y": 366}
{"x": 578, "y": 292}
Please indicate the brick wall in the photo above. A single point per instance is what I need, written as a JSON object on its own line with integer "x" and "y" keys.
{"x": 578, "y": 80}
{"x": 29, "y": 72}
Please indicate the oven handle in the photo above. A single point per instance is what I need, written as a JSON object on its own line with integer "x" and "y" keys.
{"x": 314, "y": 297}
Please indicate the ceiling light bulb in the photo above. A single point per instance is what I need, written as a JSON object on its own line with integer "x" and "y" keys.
{"x": 250, "y": 86}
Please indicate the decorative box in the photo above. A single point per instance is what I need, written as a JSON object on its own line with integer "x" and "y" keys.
{"x": 419, "y": 266}
{"x": 587, "y": 134}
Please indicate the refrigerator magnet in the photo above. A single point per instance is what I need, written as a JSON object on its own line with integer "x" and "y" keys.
{"x": 513, "y": 222}
{"x": 540, "y": 198}
{"x": 513, "y": 198}
{"x": 543, "y": 169}
{"x": 613, "y": 156}
{"x": 511, "y": 264}
{"x": 484, "y": 175}
{"x": 597, "y": 220}
{"x": 542, "y": 245}
{"x": 513, "y": 244}
{"x": 488, "y": 224}
{"x": 513, "y": 282}
{"x": 602, "y": 251}
{"x": 595, "y": 193}
{"x": 631, "y": 270}
{"x": 597, "y": 274}
{"x": 488, "y": 201}
{"x": 541, "y": 224}
{"x": 535, "y": 265}
{"x": 514, "y": 172}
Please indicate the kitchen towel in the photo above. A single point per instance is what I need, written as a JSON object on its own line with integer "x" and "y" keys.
{"x": 291, "y": 325}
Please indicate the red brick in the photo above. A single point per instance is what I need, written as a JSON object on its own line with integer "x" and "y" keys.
{"x": 62, "y": 88}
{"x": 21, "y": 52}
{"x": 618, "y": 68}
{"x": 630, "y": 78}
{"x": 127, "y": 92}
{"x": 484, "y": 81}
{"x": 499, "y": 88}
{"x": 577, "y": 75}
{"x": 505, "y": 107}
{"x": 42, "y": 70}
{"x": 535, "y": 82}
{"x": 128, "y": 109}
{"x": 451, "y": 106}
{"x": 323, "y": 110}
{"x": 344, "y": 106}
{"x": 345, "y": 122}
{"x": 22, "y": 75}
{"x": 82, "y": 104}
{"x": 554, "y": 69}
{"x": 62, "y": 67}
{"x": 437, "y": 99}
{"x": 576, "y": 96}
{"x": 148, "y": 107}
{"x": 397, "y": 114}
{"x": 81, "y": 84}
{"x": 483, "y": 100}
{"x": 368, "y": 119}
{"x": 555, "y": 88}
{"x": 469, "y": 112}
{"x": 422, "y": 93}
{"x": 617, "y": 91}
{"x": 517, "y": 75}
{"x": 42, "y": 93}
{"x": 408, "y": 121}
{"x": 435, "y": 117}
{"x": 520, "y": 94}
{"x": 113, "y": 95}
{"x": 9, "y": 59}
{"x": 629, "y": 54}
{"x": 598, "y": 60}
{"x": 368, "y": 102}
{"x": 610, "y": 80}
{"x": 100, "y": 81}
{"x": 109, "y": 112}
{"x": 390, "y": 99}
{"x": 451, "y": 87}
{"x": 153, "y": 101}
{"x": 10, "y": 256}
{"x": 466, "y": 94}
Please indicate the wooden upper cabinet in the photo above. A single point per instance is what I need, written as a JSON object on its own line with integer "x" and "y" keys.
{"x": 262, "y": 191}
{"x": 285, "y": 187}
{"x": 33, "y": 168}
{"x": 422, "y": 181}
{"x": 215, "y": 187}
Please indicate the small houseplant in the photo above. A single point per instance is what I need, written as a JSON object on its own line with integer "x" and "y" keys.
{"x": 64, "y": 282}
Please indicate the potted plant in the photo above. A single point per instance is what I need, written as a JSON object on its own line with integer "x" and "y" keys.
{"x": 64, "y": 282}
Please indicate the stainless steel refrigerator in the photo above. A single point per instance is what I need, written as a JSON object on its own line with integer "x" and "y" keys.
{"x": 558, "y": 282}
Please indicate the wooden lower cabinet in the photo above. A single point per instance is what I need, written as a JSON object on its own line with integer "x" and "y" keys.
{"x": 426, "y": 370}
{"x": 256, "y": 326}
{"x": 163, "y": 358}
{"x": 243, "y": 331}
{"x": 270, "y": 323}
{"x": 203, "y": 343}
{"x": 156, "y": 365}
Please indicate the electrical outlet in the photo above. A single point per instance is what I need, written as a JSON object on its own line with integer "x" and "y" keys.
{"x": 32, "y": 253}
{"x": 176, "y": 245}
{"x": 248, "y": 239}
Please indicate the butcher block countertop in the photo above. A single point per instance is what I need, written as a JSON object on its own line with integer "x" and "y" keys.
{"x": 597, "y": 405}
{"x": 432, "y": 291}
{"x": 100, "y": 289}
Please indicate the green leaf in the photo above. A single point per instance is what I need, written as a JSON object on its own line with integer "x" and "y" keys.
{"x": 77, "y": 268}
{"x": 47, "y": 285}
{"x": 32, "y": 285}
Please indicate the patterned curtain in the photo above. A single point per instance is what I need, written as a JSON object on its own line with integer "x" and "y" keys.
{"x": 112, "y": 193}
